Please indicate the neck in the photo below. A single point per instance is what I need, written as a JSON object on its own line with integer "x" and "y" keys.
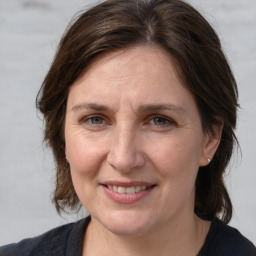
{"x": 183, "y": 238}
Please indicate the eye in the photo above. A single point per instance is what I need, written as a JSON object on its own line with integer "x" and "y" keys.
{"x": 94, "y": 120}
{"x": 161, "y": 121}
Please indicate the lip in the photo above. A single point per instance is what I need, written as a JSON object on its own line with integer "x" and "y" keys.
{"x": 127, "y": 198}
{"x": 127, "y": 184}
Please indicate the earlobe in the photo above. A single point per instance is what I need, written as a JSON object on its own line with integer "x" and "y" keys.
{"x": 212, "y": 142}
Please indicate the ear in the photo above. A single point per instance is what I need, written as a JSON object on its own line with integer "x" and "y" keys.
{"x": 211, "y": 143}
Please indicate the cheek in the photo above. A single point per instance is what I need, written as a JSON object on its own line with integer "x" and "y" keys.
{"x": 85, "y": 159}
{"x": 84, "y": 153}
{"x": 177, "y": 158}
{"x": 177, "y": 167}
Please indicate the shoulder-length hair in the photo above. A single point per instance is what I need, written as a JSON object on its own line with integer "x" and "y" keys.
{"x": 185, "y": 34}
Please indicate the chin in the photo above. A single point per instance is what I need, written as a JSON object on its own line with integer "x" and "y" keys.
{"x": 125, "y": 223}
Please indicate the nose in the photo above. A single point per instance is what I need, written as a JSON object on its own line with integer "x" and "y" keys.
{"x": 125, "y": 152}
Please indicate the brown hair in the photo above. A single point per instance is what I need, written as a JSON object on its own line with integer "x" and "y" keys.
{"x": 190, "y": 40}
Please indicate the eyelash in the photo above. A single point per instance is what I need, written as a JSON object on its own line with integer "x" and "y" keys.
{"x": 89, "y": 119}
{"x": 153, "y": 118}
{"x": 167, "y": 121}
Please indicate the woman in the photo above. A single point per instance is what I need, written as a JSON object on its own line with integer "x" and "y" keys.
{"x": 140, "y": 110}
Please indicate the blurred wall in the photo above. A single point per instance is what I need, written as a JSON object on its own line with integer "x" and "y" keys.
{"x": 29, "y": 34}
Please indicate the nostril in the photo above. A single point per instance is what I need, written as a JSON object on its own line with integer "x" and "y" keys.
{"x": 125, "y": 161}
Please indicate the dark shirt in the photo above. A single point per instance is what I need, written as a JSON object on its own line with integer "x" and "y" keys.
{"x": 223, "y": 240}
{"x": 67, "y": 240}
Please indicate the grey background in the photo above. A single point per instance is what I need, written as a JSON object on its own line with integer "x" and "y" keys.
{"x": 29, "y": 33}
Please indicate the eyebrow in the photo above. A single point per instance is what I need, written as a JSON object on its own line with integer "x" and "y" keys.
{"x": 93, "y": 106}
{"x": 157, "y": 107}
{"x": 143, "y": 108}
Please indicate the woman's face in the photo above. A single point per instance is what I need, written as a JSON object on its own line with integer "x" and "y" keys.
{"x": 134, "y": 141}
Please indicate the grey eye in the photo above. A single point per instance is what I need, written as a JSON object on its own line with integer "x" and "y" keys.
{"x": 96, "y": 120}
{"x": 160, "y": 120}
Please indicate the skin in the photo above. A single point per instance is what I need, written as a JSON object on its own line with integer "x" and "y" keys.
{"x": 129, "y": 118}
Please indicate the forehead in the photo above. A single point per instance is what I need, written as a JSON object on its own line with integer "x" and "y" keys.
{"x": 135, "y": 61}
{"x": 141, "y": 75}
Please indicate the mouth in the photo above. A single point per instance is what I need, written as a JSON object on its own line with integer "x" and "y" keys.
{"x": 127, "y": 193}
{"x": 128, "y": 190}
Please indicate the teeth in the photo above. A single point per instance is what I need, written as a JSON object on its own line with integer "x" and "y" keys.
{"x": 127, "y": 190}
{"x": 130, "y": 190}
{"x": 138, "y": 189}
{"x": 121, "y": 190}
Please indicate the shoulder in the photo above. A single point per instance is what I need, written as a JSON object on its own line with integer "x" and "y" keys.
{"x": 53, "y": 242}
{"x": 224, "y": 240}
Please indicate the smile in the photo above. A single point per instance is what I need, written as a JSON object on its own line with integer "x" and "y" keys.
{"x": 127, "y": 193}
{"x": 127, "y": 190}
